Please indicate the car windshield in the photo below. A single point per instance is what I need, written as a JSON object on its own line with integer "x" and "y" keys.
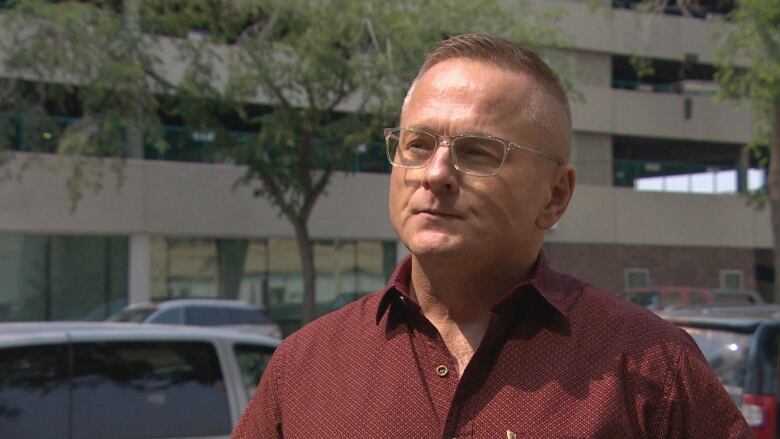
{"x": 733, "y": 298}
{"x": 649, "y": 298}
{"x": 726, "y": 351}
{"x": 134, "y": 315}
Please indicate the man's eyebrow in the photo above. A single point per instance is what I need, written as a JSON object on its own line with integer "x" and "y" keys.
{"x": 428, "y": 128}
{"x": 475, "y": 133}
{"x": 421, "y": 127}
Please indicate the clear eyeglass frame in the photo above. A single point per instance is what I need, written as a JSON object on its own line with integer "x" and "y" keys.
{"x": 449, "y": 140}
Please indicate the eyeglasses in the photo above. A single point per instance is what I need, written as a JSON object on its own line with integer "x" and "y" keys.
{"x": 477, "y": 155}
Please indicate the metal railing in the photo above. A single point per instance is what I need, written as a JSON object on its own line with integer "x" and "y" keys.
{"x": 685, "y": 177}
{"x": 28, "y": 133}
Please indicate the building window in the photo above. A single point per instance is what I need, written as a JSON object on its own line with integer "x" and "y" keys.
{"x": 637, "y": 278}
{"x": 732, "y": 279}
{"x": 73, "y": 277}
{"x": 267, "y": 272}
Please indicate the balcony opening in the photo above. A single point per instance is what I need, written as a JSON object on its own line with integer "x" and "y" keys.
{"x": 688, "y": 77}
{"x": 676, "y": 165}
{"x": 701, "y": 9}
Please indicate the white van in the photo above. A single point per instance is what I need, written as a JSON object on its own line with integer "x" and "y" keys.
{"x": 85, "y": 380}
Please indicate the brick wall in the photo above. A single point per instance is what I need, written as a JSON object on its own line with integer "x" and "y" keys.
{"x": 603, "y": 265}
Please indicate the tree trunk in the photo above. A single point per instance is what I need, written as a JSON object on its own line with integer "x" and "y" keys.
{"x": 306, "y": 252}
{"x": 774, "y": 193}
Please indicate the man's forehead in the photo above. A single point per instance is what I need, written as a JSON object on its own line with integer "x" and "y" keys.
{"x": 462, "y": 87}
{"x": 472, "y": 76}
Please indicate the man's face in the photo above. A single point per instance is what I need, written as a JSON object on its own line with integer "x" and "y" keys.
{"x": 436, "y": 210}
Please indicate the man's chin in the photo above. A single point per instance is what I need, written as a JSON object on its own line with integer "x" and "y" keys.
{"x": 436, "y": 247}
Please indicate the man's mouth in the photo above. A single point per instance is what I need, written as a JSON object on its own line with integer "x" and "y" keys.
{"x": 438, "y": 213}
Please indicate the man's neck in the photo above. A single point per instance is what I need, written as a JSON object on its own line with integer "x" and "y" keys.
{"x": 445, "y": 291}
{"x": 457, "y": 299}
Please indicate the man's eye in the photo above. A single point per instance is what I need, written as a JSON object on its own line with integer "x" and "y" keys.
{"x": 474, "y": 151}
{"x": 479, "y": 150}
{"x": 416, "y": 145}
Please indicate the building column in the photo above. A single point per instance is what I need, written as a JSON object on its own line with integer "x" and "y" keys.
{"x": 400, "y": 251}
{"x": 743, "y": 166}
{"x": 592, "y": 155}
{"x": 140, "y": 268}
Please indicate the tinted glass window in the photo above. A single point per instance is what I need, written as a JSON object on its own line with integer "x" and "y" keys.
{"x": 726, "y": 351}
{"x": 207, "y": 316}
{"x": 248, "y": 316}
{"x": 144, "y": 390}
{"x": 62, "y": 277}
{"x": 34, "y": 386}
{"x": 769, "y": 356}
{"x": 169, "y": 316}
{"x": 252, "y": 360}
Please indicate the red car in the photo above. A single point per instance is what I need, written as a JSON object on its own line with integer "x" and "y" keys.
{"x": 658, "y": 298}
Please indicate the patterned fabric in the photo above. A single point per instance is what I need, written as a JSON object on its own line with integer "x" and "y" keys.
{"x": 559, "y": 359}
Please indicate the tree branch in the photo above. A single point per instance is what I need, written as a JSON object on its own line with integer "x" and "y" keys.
{"x": 340, "y": 94}
{"x": 267, "y": 81}
{"x": 275, "y": 192}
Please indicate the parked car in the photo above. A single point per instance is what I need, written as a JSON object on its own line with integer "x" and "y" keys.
{"x": 658, "y": 298}
{"x": 288, "y": 315}
{"x": 741, "y": 343}
{"x": 201, "y": 312}
{"x": 102, "y": 380}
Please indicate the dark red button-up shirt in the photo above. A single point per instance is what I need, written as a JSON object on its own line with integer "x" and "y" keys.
{"x": 559, "y": 359}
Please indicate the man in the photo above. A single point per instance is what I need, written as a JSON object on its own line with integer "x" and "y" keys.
{"x": 475, "y": 336}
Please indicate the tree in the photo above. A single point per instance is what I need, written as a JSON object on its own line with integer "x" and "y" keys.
{"x": 749, "y": 68}
{"x": 308, "y": 81}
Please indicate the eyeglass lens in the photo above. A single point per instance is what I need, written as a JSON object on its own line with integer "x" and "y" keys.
{"x": 472, "y": 155}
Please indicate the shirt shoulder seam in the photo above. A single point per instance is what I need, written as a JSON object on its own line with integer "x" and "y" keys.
{"x": 669, "y": 379}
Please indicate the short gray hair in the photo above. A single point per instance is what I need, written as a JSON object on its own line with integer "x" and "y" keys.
{"x": 556, "y": 118}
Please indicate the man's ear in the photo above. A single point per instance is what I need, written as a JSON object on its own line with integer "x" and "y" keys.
{"x": 560, "y": 195}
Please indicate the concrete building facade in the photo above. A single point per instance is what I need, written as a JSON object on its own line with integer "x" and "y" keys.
{"x": 661, "y": 167}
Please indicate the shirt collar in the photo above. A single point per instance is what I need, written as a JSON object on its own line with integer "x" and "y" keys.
{"x": 558, "y": 290}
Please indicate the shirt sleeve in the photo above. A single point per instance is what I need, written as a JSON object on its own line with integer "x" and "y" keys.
{"x": 698, "y": 405}
{"x": 262, "y": 417}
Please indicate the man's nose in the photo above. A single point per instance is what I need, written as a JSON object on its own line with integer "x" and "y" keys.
{"x": 440, "y": 172}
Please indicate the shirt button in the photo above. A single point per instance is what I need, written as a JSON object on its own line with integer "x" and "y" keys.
{"x": 441, "y": 370}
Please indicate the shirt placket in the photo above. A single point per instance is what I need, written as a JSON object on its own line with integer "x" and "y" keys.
{"x": 459, "y": 422}
{"x": 438, "y": 369}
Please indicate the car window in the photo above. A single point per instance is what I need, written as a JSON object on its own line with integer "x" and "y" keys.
{"x": 646, "y": 299}
{"x": 767, "y": 346}
{"x": 696, "y": 297}
{"x": 206, "y": 316}
{"x": 248, "y": 316}
{"x": 672, "y": 298}
{"x": 726, "y": 351}
{"x": 733, "y": 298}
{"x": 135, "y": 315}
{"x": 126, "y": 390}
{"x": 252, "y": 360}
{"x": 171, "y": 316}
{"x": 34, "y": 388}
{"x": 770, "y": 357}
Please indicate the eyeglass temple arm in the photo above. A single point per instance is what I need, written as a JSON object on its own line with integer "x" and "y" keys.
{"x": 546, "y": 155}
